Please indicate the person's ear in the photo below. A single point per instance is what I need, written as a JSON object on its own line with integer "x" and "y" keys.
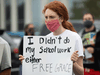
{"x": 93, "y": 21}
{"x": 61, "y": 19}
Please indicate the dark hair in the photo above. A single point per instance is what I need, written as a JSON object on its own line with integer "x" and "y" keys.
{"x": 26, "y": 27}
{"x": 90, "y": 14}
{"x": 61, "y": 10}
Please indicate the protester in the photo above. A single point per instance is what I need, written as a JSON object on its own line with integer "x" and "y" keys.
{"x": 5, "y": 66}
{"x": 56, "y": 16}
{"x": 96, "y": 52}
{"x": 44, "y": 31}
{"x": 6, "y": 37}
{"x": 29, "y": 31}
{"x": 88, "y": 35}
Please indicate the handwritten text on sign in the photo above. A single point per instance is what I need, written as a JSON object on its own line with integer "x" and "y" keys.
{"x": 48, "y": 55}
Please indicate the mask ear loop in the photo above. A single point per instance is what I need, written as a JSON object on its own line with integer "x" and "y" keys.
{"x": 60, "y": 23}
{"x": 59, "y": 19}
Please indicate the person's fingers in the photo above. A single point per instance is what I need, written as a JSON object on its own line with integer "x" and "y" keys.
{"x": 76, "y": 51}
{"x": 87, "y": 70}
{"x": 20, "y": 56}
{"x": 75, "y": 54}
{"x": 74, "y": 58}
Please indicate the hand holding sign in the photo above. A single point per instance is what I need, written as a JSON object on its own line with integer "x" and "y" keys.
{"x": 74, "y": 56}
{"x": 21, "y": 58}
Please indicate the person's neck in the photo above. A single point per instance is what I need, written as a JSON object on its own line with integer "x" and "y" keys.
{"x": 59, "y": 30}
{"x": 89, "y": 29}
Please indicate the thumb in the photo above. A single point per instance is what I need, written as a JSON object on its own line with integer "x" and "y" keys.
{"x": 76, "y": 51}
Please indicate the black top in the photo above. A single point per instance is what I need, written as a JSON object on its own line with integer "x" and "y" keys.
{"x": 21, "y": 47}
{"x": 96, "y": 53}
{"x": 1, "y": 31}
{"x": 85, "y": 37}
{"x": 84, "y": 32}
{"x": 84, "y": 40}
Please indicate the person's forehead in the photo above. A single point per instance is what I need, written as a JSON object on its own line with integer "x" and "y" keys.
{"x": 50, "y": 12}
{"x": 31, "y": 25}
{"x": 87, "y": 16}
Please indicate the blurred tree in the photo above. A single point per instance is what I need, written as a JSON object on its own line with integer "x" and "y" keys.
{"x": 78, "y": 10}
{"x": 93, "y": 6}
{"x": 86, "y": 6}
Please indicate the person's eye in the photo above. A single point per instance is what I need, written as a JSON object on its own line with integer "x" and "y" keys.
{"x": 46, "y": 17}
{"x": 52, "y": 17}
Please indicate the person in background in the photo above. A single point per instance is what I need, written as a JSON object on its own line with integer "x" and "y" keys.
{"x": 96, "y": 53}
{"x": 29, "y": 31}
{"x": 88, "y": 35}
{"x": 6, "y": 37}
{"x": 44, "y": 31}
{"x": 5, "y": 58}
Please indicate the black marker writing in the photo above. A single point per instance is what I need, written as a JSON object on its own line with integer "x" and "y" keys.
{"x": 30, "y": 40}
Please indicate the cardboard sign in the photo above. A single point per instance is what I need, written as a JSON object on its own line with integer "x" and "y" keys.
{"x": 48, "y": 55}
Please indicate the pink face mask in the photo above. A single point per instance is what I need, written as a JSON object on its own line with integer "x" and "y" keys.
{"x": 52, "y": 25}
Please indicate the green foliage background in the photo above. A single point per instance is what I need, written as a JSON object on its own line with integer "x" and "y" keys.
{"x": 89, "y": 6}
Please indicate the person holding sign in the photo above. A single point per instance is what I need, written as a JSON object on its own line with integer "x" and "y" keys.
{"x": 29, "y": 31}
{"x": 56, "y": 16}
